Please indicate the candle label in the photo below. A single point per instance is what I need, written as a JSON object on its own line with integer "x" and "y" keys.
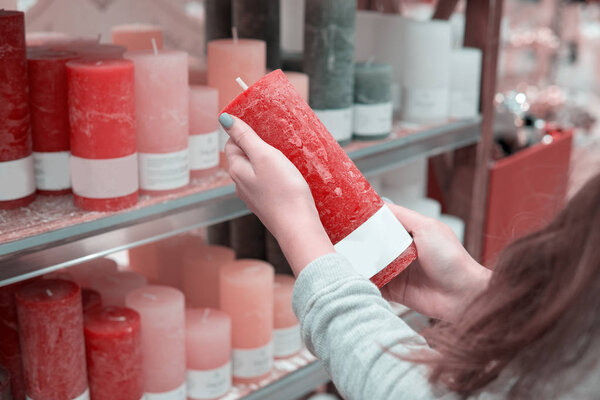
{"x": 16, "y": 178}
{"x": 106, "y": 178}
{"x": 373, "y": 119}
{"x": 209, "y": 384}
{"x": 223, "y": 138}
{"x": 164, "y": 171}
{"x": 375, "y": 244}
{"x": 251, "y": 363}
{"x": 464, "y": 103}
{"x": 204, "y": 150}
{"x": 425, "y": 104}
{"x": 287, "y": 341}
{"x": 52, "y": 170}
{"x": 337, "y": 122}
{"x": 84, "y": 396}
{"x": 176, "y": 394}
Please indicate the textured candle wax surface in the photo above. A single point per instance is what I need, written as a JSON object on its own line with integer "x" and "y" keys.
{"x": 343, "y": 196}
{"x": 15, "y": 141}
{"x": 201, "y": 274}
{"x": 90, "y": 300}
{"x": 372, "y": 83}
{"x": 329, "y": 52}
{"x": 259, "y": 19}
{"x": 51, "y": 331}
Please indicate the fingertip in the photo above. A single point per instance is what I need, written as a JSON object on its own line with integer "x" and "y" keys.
{"x": 226, "y": 120}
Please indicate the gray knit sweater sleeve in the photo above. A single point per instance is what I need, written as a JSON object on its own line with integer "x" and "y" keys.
{"x": 352, "y": 330}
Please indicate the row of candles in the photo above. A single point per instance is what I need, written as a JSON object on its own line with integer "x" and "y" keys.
{"x": 196, "y": 321}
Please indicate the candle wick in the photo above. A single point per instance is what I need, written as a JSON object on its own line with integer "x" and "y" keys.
{"x": 234, "y": 34}
{"x": 154, "y": 47}
{"x": 149, "y": 296}
{"x": 241, "y": 83}
{"x": 49, "y": 292}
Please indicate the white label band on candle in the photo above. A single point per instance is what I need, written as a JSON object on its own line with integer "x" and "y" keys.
{"x": 175, "y": 394}
{"x": 84, "y": 396}
{"x": 425, "y": 104}
{"x": 204, "y": 150}
{"x": 287, "y": 341}
{"x": 16, "y": 178}
{"x": 464, "y": 103}
{"x": 375, "y": 244}
{"x": 223, "y": 138}
{"x": 337, "y": 122}
{"x": 373, "y": 119}
{"x": 52, "y": 170}
{"x": 252, "y": 363}
{"x": 208, "y": 384}
{"x": 104, "y": 179}
{"x": 164, "y": 171}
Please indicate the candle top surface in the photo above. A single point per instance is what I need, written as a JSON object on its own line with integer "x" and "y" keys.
{"x": 100, "y": 65}
{"x": 44, "y": 54}
{"x": 110, "y": 319}
{"x": 237, "y": 43}
{"x": 284, "y": 281}
{"x": 136, "y": 27}
{"x": 154, "y": 296}
{"x": 366, "y": 66}
{"x": 47, "y": 291}
{"x": 199, "y": 319}
{"x": 151, "y": 54}
{"x": 9, "y": 13}
{"x": 210, "y": 253}
{"x": 244, "y": 271}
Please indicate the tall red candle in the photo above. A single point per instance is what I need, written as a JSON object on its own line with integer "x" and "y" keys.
{"x": 16, "y": 162}
{"x": 50, "y": 120}
{"x": 114, "y": 355}
{"x": 5, "y": 392}
{"x": 103, "y": 137}
{"x": 358, "y": 223}
{"x": 51, "y": 333}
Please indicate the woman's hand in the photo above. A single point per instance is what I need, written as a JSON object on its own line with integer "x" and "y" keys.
{"x": 444, "y": 278}
{"x": 274, "y": 190}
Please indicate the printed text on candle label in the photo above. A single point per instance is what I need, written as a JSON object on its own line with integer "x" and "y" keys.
{"x": 175, "y": 394}
{"x": 422, "y": 104}
{"x": 84, "y": 396}
{"x": 52, "y": 170}
{"x": 287, "y": 341}
{"x": 164, "y": 171}
{"x": 337, "y": 122}
{"x": 204, "y": 150}
{"x": 373, "y": 119}
{"x": 251, "y": 363}
{"x": 16, "y": 178}
{"x": 209, "y": 384}
{"x": 104, "y": 179}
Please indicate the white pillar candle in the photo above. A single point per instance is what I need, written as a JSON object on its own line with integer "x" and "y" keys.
{"x": 464, "y": 82}
{"x": 366, "y": 36}
{"x": 389, "y": 48}
{"x": 292, "y": 25}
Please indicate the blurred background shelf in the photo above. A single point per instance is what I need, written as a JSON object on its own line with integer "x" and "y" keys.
{"x": 51, "y": 233}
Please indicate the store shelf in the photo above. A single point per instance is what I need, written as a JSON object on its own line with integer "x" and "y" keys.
{"x": 51, "y": 233}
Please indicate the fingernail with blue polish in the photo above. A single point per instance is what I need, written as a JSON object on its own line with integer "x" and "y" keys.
{"x": 226, "y": 120}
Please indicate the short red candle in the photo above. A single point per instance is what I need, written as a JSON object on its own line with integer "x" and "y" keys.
{"x": 90, "y": 300}
{"x": 50, "y": 120}
{"x": 344, "y": 198}
{"x": 16, "y": 162}
{"x": 103, "y": 135}
{"x": 51, "y": 333}
{"x": 114, "y": 355}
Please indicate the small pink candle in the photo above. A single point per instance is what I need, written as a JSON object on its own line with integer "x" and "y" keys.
{"x": 300, "y": 82}
{"x": 201, "y": 274}
{"x": 286, "y": 329}
{"x": 204, "y": 130}
{"x": 137, "y": 36}
{"x": 246, "y": 292}
{"x": 115, "y": 286}
{"x": 162, "y": 108}
{"x": 83, "y": 274}
{"x": 208, "y": 347}
{"x": 162, "y": 312}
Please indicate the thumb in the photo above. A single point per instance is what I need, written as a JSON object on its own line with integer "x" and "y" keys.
{"x": 410, "y": 219}
{"x": 242, "y": 135}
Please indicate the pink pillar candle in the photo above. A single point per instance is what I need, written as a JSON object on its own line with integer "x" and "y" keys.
{"x": 246, "y": 292}
{"x": 162, "y": 108}
{"x": 208, "y": 347}
{"x": 114, "y": 354}
{"x": 162, "y": 310}
{"x": 83, "y": 274}
{"x": 115, "y": 286}
{"x": 300, "y": 82}
{"x": 204, "y": 130}
{"x": 137, "y": 36}
{"x": 228, "y": 59}
{"x": 42, "y": 38}
{"x": 52, "y": 343}
{"x": 286, "y": 329}
{"x": 103, "y": 134}
{"x": 201, "y": 274}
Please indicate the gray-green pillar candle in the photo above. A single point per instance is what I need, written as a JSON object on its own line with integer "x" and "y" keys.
{"x": 217, "y": 21}
{"x": 259, "y": 19}
{"x": 373, "y": 108}
{"x": 329, "y": 62}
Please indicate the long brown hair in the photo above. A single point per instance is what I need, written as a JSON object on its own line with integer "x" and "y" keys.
{"x": 542, "y": 304}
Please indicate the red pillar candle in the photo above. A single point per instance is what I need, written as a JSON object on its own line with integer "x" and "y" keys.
{"x": 357, "y": 221}
{"x": 50, "y": 120}
{"x": 5, "y": 392}
{"x": 114, "y": 355}
{"x": 16, "y": 162}
{"x": 103, "y": 136}
{"x": 51, "y": 333}
{"x": 90, "y": 300}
